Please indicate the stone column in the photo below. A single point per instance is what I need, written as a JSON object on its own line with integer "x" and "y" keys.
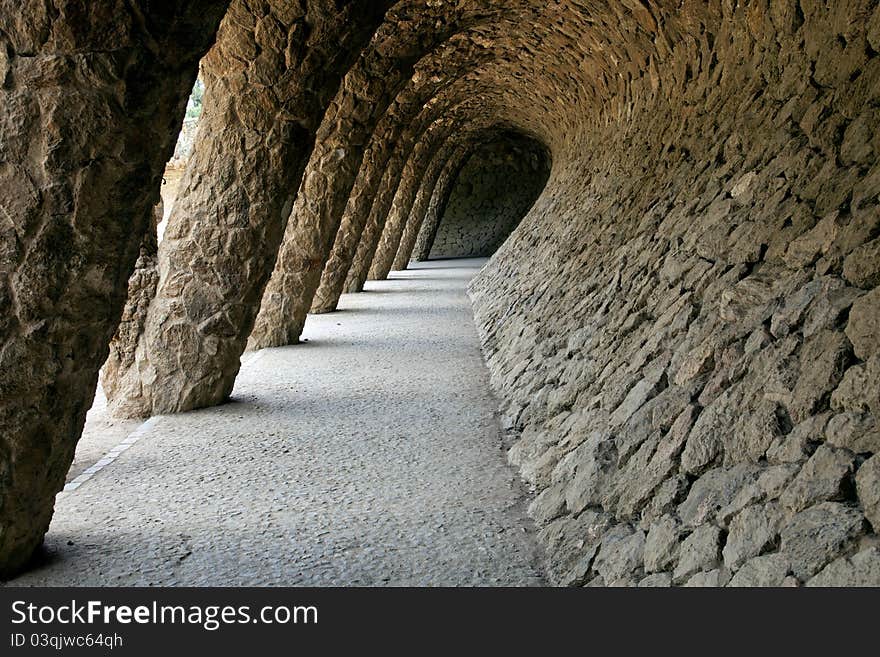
{"x": 382, "y": 203}
{"x": 410, "y": 181}
{"x": 420, "y": 205}
{"x": 438, "y": 203}
{"x": 358, "y": 271}
{"x": 367, "y": 209}
{"x": 377, "y": 180}
{"x": 90, "y": 103}
{"x": 342, "y": 139}
{"x": 357, "y": 212}
{"x": 269, "y": 80}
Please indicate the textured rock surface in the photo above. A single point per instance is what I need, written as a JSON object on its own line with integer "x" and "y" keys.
{"x": 423, "y": 100}
{"x": 683, "y": 331}
{"x": 367, "y": 205}
{"x": 862, "y": 569}
{"x": 447, "y": 159}
{"x": 437, "y": 204}
{"x": 141, "y": 290}
{"x": 380, "y": 74}
{"x": 356, "y": 263}
{"x": 397, "y": 191}
{"x": 493, "y": 192}
{"x": 419, "y": 210}
{"x": 868, "y": 487}
{"x": 410, "y": 182}
{"x": 269, "y": 79}
{"x": 88, "y": 117}
{"x": 706, "y": 309}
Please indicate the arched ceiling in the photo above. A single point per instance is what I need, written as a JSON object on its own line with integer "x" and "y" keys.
{"x": 549, "y": 68}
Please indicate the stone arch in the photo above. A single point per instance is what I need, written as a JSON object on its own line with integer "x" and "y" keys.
{"x": 380, "y": 74}
{"x": 437, "y": 204}
{"x": 399, "y": 185}
{"x": 374, "y": 189}
{"x": 413, "y": 225}
{"x": 269, "y": 80}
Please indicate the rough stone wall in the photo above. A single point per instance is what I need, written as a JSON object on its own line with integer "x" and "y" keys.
{"x": 371, "y": 196}
{"x": 412, "y": 179}
{"x": 392, "y": 202}
{"x": 185, "y": 140}
{"x": 141, "y": 290}
{"x": 420, "y": 204}
{"x": 367, "y": 205}
{"x": 380, "y": 73}
{"x": 392, "y": 214}
{"x": 410, "y": 183}
{"x": 493, "y": 192}
{"x": 365, "y": 195}
{"x": 684, "y": 329}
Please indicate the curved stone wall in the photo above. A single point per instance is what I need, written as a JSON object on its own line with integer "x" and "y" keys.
{"x": 684, "y": 329}
{"x": 493, "y": 192}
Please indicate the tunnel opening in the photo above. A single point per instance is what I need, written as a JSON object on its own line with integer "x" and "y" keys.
{"x": 496, "y": 187}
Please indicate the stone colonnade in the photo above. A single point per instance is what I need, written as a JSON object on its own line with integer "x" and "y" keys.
{"x": 682, "y": 332}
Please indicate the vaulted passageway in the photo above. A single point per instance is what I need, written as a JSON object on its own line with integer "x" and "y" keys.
{"x": 682, "y": 332}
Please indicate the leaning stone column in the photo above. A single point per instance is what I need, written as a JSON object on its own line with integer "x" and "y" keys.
{"x": 357, "y": 212}
{"x": 313, "y": 222}
{"x": 377, "y": 180}
{"x": 374, "y": 225}
{"x": 386, "y": 196}
{"x": 437, "y": 205}
{"x": 371, "y": 196}
{"x": 420, "y": 205}
{"x": 367, "y": 90}
{"x": 410, "y": 181}
{"x": 90, "y": 104}
{"x": 269, "y": 80}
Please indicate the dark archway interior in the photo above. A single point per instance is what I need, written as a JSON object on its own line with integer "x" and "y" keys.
{"x": 494, "y": 190}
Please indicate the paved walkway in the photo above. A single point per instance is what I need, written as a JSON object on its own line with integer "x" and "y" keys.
{"x": 368, "y": 456}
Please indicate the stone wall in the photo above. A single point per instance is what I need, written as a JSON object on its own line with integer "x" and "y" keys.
{"x": 495, "y": 189}
{"x": 685, "y": 329}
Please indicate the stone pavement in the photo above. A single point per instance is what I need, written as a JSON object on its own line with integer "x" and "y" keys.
{"x": 369, "y": 455}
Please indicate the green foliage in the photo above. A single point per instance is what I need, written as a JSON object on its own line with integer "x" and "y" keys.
{"x": 194, "y": 104}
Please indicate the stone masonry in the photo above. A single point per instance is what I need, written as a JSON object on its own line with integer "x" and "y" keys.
{"x": 495, "y": 189}
{"x": 684, "y": 329}
{"x": 682, "y": 325}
